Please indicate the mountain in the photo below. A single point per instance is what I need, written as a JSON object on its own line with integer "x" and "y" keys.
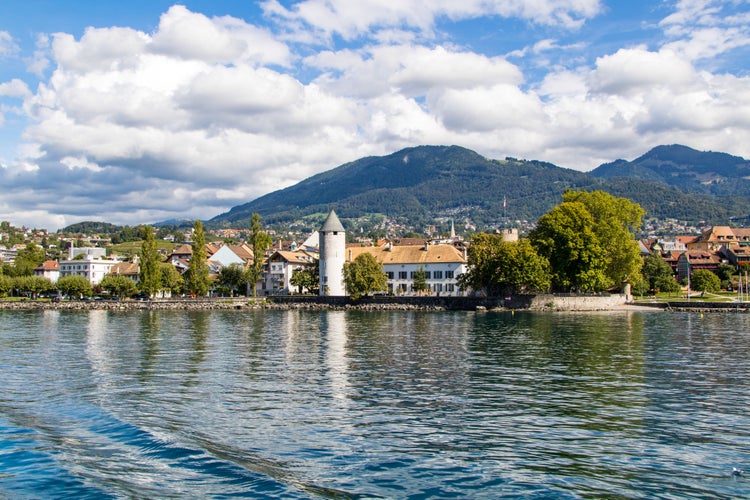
{"x": 423, "y": 183}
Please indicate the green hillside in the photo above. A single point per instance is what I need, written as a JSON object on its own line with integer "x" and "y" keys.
{"x": 424, "y": 183}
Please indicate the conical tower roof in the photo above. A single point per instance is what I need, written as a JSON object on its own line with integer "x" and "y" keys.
{"x": 332, "y": 223}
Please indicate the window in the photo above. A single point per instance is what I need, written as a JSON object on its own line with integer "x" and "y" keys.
{"x": 427, "y": 275}
{"x": 438, "y": 275}
{"x": 449, "y": 275}
{"x": 390, "y": 275}
{"x": 402, "y": 275}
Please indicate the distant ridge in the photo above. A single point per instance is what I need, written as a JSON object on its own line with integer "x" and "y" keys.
{"x": 425, "y": 183}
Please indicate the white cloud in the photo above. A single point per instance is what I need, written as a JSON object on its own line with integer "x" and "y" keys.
{"x": 631, "y": 70}
{"x": 8, "y": 46}
{"x": 352, "y": 19}
{"x": 205, "y": 113}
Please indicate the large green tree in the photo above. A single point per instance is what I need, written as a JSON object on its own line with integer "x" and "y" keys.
{"x": 499, "y": 267}
{"x": 27, "y": 259}
{"x": 74, "y": 286}
{"x": 260, "y": 241}
{"x": 703, "y": 280}
{"x": 197, "y": 274}
{"x": 565, "y": 237}
{"x": 658, "y": 275}
{"x": 615, "y": 222}
{"x": 33, "y": 285}
{"x": 234, "y": 277}
{"x": 118, "y": 285}
{"x": 149, "y": 281}
{"x": 364, "y": 275}
{"x": 170, "y": 278}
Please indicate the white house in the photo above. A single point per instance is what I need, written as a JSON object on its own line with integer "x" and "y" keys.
{"x": 92, "y": 269}
{"x": 280, "y": 268}
{"x": 441, "y": 263}
{"x": 49, "y": 269}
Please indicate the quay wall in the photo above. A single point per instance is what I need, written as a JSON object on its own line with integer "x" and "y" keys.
{"x": 521, "y": 302}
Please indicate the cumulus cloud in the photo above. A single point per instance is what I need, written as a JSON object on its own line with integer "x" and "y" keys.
{"x": 352, "y": 19}
{"x": 205, "y": 113}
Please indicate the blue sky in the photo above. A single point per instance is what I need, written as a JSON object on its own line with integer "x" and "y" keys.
{"x": 146, "y": 110}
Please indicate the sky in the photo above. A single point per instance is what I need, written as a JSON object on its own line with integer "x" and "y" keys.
{"x": 149, "y": 110}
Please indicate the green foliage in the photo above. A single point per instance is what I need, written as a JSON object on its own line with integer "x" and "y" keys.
{"x": 234, "y": 277}
{"x": 33, "y": 285}
{"x": 118, "y": 285}
{"x": 420, "y": 280}
{"x": 307, "y": 278}
{"x": 364, "y": 275}
{"x": 74, "y": 286}
{"x": 197, "y": 275}
{"x": 657, "y": 274}
{"x": 566, "y": 238}
{"x": 260, "y": 241}
{"x": 499, "y": 267}
{"x": 170, "y": 278}
{"x": 615, "y": 222}
{"x": 703, "y": 280}
{"x": 6, "y": 285}
{"x": 438, "y": 180}
{"x": 27, "y": 259}
{"x": 149, "y": 280}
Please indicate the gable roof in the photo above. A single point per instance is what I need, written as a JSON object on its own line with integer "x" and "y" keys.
{"x": 410, "y": 254}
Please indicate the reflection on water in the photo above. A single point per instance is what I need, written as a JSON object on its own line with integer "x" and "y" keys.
{"x": 341, "y": 404}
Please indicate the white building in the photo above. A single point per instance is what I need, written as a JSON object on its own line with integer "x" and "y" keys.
{"x": 280, "y": 268}
{"x": 92, "y": 269}
{"x": 332, "y": 248}
{"x": 441, "y": 263}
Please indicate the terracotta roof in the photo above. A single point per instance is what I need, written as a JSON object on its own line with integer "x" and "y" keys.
{"x": 48, "y": 265}
{"x": 184, "y": 249}
{"x": 409, "y": 254}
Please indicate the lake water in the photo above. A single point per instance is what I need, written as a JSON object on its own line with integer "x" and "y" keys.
{"x": 350, "y": 404}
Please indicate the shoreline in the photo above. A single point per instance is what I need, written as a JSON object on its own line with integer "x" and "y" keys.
{"x": 535, "y": 304}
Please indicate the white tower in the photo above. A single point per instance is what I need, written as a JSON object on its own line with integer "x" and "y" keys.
{"x": 332, "y": 245}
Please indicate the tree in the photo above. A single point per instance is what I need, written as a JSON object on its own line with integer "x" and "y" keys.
{"x": 307, "y": 278}
{"x": 234, "y": 277}
{"x": 149, "y": 280}
{"x": 482, "y": 262}
{"x": 118, "y": 285}
{"x": 420, "y": 280}
{"x": 27, "y": 259}
{"x": 565, "y": 237}
{"x": 656, "y": 272}
{"x": 500, "y": 267}
{"x": 615, "y": 222}
{"x": 6, "y": 285}
{"x": 260, "y": 241}
{"x": 170, "y": 278}
{"x": 33, "y": 285}
{"x": 197, "y": 273}
{"x": 364, "y": 275}
{"x": 522, "y": 269}
{"x": 703, "y": 280}
{"x": 74, "y": 286}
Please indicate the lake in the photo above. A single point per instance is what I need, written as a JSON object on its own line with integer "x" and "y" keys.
{"x": 357, "y": 404}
